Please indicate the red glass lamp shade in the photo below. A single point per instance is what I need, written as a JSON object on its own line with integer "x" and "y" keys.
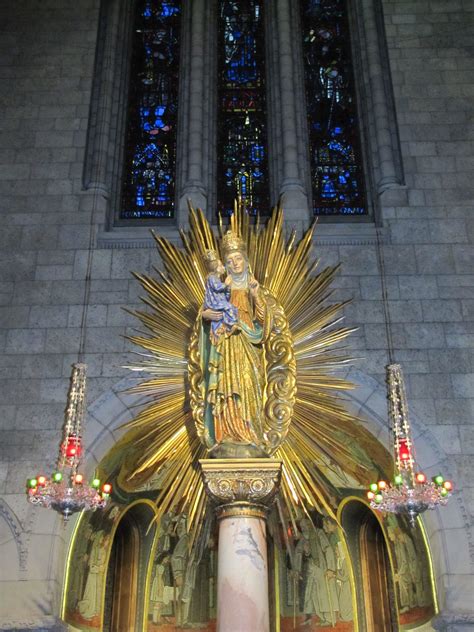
{"x": 403, "y": 450}
{"x": 72, "y": 446}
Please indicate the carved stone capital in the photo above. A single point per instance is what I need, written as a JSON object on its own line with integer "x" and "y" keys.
{"x": 241, "y": 487}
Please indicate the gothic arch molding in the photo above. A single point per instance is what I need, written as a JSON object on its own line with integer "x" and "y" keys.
{"x": 18, "y": 533}
{"x": 447, "y": 530}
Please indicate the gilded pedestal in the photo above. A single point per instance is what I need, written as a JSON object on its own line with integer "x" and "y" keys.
{"x": 242, "y": 490}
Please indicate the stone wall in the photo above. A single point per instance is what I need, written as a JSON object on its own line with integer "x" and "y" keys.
{"x": 47, "y": 55}
{"x": 430, "y": 259}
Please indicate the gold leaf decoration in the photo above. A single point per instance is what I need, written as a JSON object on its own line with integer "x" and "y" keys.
{"x": 162, "y": 438}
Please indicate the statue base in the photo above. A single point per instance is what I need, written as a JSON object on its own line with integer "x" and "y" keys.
{"x": 242, "y": 490}
{"x": 230, "y": 450}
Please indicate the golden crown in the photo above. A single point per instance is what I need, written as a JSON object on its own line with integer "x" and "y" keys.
{"x": 232, "y": 242}
{"x": 210, "y": 255}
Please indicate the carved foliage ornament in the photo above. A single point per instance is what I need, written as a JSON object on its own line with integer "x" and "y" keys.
{"x": 229, "y": 482}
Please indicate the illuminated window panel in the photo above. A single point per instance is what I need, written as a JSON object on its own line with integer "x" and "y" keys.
{"x": 337, "y": 176}
{"x": 242, "y": 149}
{"x": 150, "y": 149}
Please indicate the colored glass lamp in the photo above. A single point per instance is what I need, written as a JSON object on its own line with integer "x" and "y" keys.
{"x": 411, "y": 493}
{"x": 65, "y": 490}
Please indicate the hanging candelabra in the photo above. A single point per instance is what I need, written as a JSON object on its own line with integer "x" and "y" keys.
{"x": 66, "y": 490}
{"x": 411, "y": 493}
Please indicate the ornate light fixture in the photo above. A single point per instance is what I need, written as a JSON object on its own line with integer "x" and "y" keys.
{"x": 65, "y": 491}
{"x": 411, "y": 492}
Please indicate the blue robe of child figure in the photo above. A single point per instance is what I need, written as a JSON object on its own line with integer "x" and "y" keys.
{"x": 217, "y": 298}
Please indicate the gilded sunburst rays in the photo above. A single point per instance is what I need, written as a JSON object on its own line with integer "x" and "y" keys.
{"x": 164, "y": 437}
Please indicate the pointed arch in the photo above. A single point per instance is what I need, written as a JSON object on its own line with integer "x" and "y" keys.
{"x": 447, "y": 529}
{"x": 8, "y": 517}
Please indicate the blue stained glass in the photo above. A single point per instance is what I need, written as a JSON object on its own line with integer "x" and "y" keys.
{"x": 242, "y": 159}
{"x": 336, "y": 164}
{"x": 168, "y": 9}
{"x": 149, "y": 162}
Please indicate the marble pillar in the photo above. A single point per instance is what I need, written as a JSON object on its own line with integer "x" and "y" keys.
{"x": 242, "y": 491}
{"x": 242, "y": 581}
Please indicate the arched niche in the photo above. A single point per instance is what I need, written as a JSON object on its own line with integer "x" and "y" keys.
{"x": 127, "y": 570}
{"x": 11, "y": 542}
{"x": 108, "y": 568}
{"x": 392, "y": 566}
{"x": 447, "y": 529}
{"x": 371, "y": 565}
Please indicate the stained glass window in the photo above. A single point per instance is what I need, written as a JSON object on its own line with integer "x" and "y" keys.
{"x": 150, "y": 151}
{"x": 242, "y": 159}
{"x": 336, "y": 165}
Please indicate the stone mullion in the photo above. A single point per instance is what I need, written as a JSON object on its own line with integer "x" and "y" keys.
{"x": 183, "y": 105}
{"x": 388, "y": 173}
{"x": 210, "y": 107}
{"x": 196, "y": 93}
{"x": 119, "y": 113}
{"x": 362, "y": 86}
{"x": 300, "y": 103}
{"x": 103, "y": 162}
{"x": 193, "y": 137}
{"x": 274, "y": 141}
{"x": 98, "y": 137}
{"x": 291, "y": 186}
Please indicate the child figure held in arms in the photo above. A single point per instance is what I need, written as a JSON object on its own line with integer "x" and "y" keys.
{"x": 217, "y": 297}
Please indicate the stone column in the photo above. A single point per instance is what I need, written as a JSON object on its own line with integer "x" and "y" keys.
{"x": 192, "y": 127}
{"x": 106, "y": 128}
{"x": 242, "y": 490}
{"x": 292, "y": 191}
{"x": 386, "y": 167}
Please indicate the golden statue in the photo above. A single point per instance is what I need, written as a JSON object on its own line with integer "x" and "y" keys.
{"x": 250, "y": 378}
{"x": 241, "y": 345}
{"x": 238, "y": 348}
